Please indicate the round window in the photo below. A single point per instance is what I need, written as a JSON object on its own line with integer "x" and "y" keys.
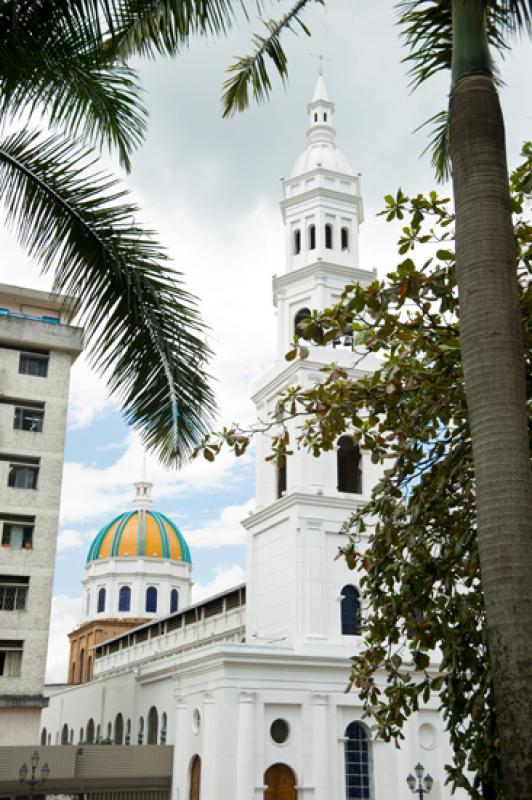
{"x": 280, "y": 731}
{"x": 196, "y": 720}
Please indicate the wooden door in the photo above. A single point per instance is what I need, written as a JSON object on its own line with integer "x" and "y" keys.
{"x": 195, "y": 778}
{"x": 281, "y": 783}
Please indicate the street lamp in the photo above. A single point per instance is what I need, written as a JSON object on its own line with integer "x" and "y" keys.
{"x": 33, "y": 781}
{"x": 424, "y": 785}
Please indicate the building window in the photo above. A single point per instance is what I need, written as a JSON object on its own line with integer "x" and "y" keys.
{"x": 17, "y": 536}
{"x": 164, "y": 726}
{"x": 10, "y": 657}
{"x": 119, "y": 729}
{"x": 302, "y": 314}
{"x": 280, "y": 731}
{"x": 328, "y": 236}
{"x": 89, "y": 669}
{"x": 13, "y": 592}
{"x": 73, "y": 673}
{"x": 174, "y": 601}
{"x": 22, "y": 477}
{"x": 128, "y": 732}
{"x": 31, "y": 364}
{"x": 357, "y": 763}
{"x": 349, "y": 472}
{"x": 124, "y": 599}
{"x": 315, "y": 117}
{"x": 345, "y": 239}
{"x": 43, "y": 737}
{"x": 140, "y": 735}
{"x": 297, "y": 242}
{"x": 151, "y": 599}
{"x": 153, "y": 726}
{"x": 64, "y": 734}
{"x": 281, "y": 479}
{"x": 90, "y": 731}
{"x": 101, "y": 600}
{"x": 325, "y": 116}
{"x": 81, "y": 665}
{"x": 350, "y": 610}
{"x": 28, "y": 419}
{"x": 98, "y": 733}
{"x": 311, "y": 237}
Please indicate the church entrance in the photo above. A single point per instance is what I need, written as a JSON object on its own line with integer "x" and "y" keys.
{"x": 195, "y": 778}
{"x": 281, "y": 783}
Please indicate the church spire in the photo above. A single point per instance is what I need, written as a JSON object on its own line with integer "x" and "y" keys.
{"x": 321, "y": 114}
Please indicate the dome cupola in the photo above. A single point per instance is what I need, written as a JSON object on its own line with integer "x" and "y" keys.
{"x": 138, "y": 565}
{"x": 140, "y": 533}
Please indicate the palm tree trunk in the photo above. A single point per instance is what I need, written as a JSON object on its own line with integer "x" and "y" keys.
{"x": 493, "y": 362}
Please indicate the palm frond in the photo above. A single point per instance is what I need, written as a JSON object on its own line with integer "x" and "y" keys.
{"x": 149, "y": 27}
{"x": 251, "y": 73}
{"x": 438, "y": 145}
{"x": 426, "y": 29}
{"x": 51, "y": 64}
{"x": 144, "y": 329}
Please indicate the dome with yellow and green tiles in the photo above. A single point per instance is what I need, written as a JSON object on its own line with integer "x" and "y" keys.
{"x": 140, "y": 533}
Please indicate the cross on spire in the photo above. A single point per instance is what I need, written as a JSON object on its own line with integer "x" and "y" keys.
{"x": 321, "y": 58}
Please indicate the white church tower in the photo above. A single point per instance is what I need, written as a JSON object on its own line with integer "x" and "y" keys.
{"x": 296, "y": 589}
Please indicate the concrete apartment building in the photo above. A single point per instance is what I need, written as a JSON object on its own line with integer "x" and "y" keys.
{"x": 38, "y": 346}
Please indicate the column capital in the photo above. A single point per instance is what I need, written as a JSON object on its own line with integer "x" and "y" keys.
{"x": 319, "y": 699}
{"x": 247, "y": 696}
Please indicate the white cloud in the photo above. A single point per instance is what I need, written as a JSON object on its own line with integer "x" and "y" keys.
{"x": 224, "y": 578}
{"x": 71, "y": 538}
{"x": 223, "y": 531}
{"x": 65, "y": 617}
{"x": 89, "y": 492}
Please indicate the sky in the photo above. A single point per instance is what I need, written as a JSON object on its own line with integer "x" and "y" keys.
{"x": 211, "y": 188}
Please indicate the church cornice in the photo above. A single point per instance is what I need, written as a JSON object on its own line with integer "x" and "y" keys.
{"x": 291, "y": 499}
{"x": 320, "y": 270}
{"x": 322, "y": 192}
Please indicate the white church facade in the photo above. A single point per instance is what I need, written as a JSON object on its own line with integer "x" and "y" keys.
{"x": 249, "y": 686}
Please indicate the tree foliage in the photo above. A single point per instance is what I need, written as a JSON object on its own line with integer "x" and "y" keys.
{"x": 414, "y": 542}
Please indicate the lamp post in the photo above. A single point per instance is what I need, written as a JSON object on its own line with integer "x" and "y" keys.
{"x": 423, "y": 785}
{"x": 33, "y": 781}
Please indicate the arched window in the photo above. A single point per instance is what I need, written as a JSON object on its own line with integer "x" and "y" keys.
{"x": 281, "y": 479}
{"x": 90, "y": 731}
{"x": 124, "y": 598}
{"x": 311, "y": 237}
{"x": 315, "y": 117}
{"x": 64, "y": 734}
{"x": 43, "y": 736}
{"x": 81, "y": 736}
{"x": 297, "y": 241}
{"x": 153, "y": 725}
{"x": 164, "y": 725}
{"x": 350, "y": 610}
{"x": 329, "y": 236}
{"x": 81, "y": 665}
{"x": 349, "y": 472}
{"x": 109, "y": 736}
{"x": 151, "y": 599}
{"x": 128, "y": 732}
{"x": 357, "y": 763}
{"x": 345, "y": 239}
{"x": 325, "y": 116}
{"x": 101, "y": 600}
{"x": 174, "y": 601}
{"x": 119, "y": 729}
{"x": 302, "y": 314}
{"x": 140, "y": 735}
